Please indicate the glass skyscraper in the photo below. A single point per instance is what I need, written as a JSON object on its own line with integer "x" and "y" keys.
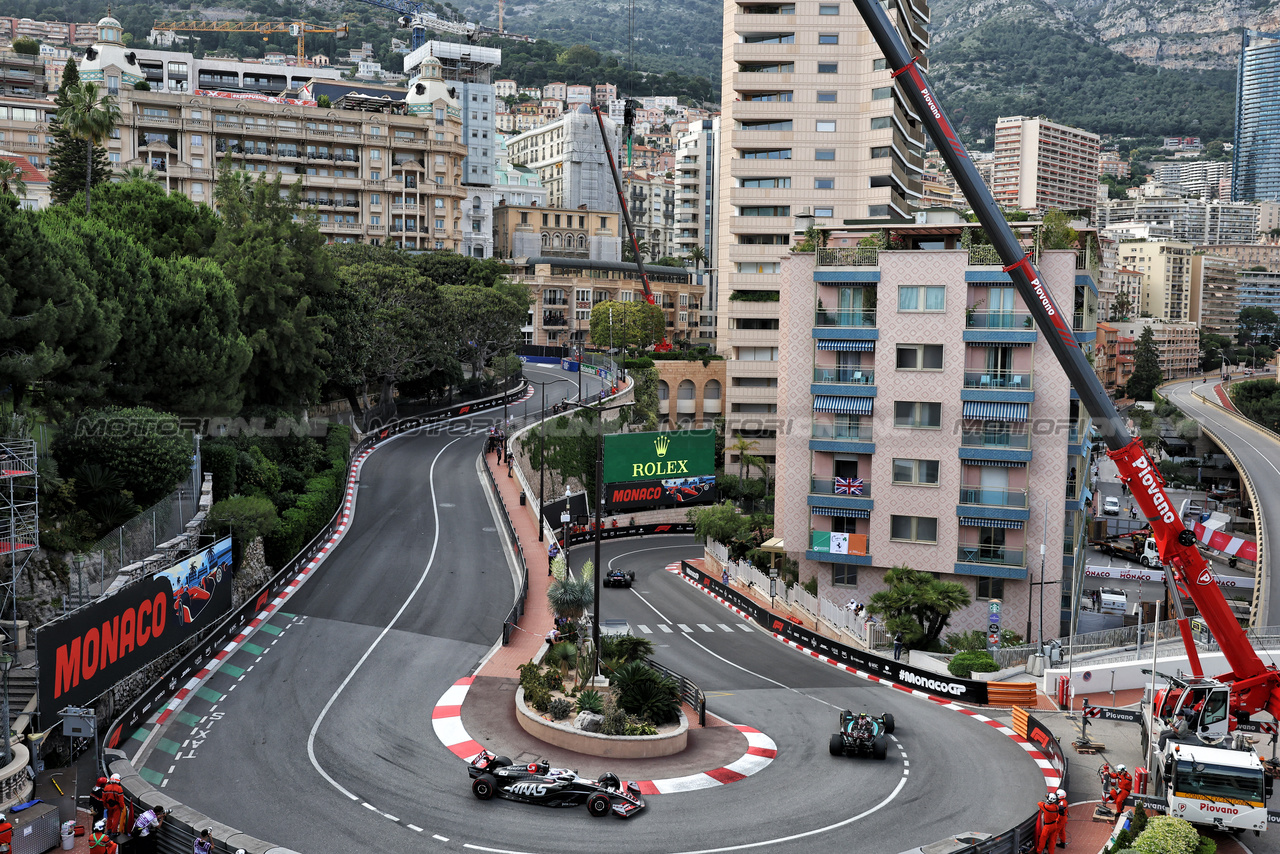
{"x": 1256, "y": 158}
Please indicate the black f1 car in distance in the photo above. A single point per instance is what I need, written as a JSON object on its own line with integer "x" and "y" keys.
{"x": 539, "y": 783}
{"x": 862, "y": 735}
{"x": 618, "y": 578}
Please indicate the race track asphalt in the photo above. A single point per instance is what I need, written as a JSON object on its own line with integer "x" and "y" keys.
{"x": 320, "y": 738}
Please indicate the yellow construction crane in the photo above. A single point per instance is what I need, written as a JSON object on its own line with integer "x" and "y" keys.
{"x": 298, "y": 29}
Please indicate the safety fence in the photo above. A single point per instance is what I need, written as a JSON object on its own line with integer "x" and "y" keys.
{"x": 690, "y": 693}
{"x": 860, "y": 625}
{"x": 142, "y": 536}
{"x": 1090, "y": 642}
{"x": 180, "y": 829}
{"x": 522, "y": 593}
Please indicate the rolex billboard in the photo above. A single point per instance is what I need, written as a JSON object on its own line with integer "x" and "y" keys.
{"x": 663, "y": 469}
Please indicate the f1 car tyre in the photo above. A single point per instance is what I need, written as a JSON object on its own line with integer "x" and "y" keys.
{"x": 598, "y": 805}
{"x": 484, "y": 786}
{"x": 880, "y": 747}
{"x": 837, "y": 745}
{"x": 609, "y": 781}
{"x": 888, "y": 723}
{"x": 504, "y": 761}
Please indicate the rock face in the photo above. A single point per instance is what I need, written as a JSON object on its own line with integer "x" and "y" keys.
{"x": 1168, "y": 33}
{"x": 588, "y": 721}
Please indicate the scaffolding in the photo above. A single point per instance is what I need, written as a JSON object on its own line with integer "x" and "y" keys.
{"x": 19, "y": 521}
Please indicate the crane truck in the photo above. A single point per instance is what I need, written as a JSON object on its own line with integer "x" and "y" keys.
{"x": 1211, "y": 775}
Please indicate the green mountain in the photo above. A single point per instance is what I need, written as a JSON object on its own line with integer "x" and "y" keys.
{"x": 1009, "y": 67}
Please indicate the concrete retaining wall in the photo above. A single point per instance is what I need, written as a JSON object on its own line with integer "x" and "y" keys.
{"x": 594, "y": 744}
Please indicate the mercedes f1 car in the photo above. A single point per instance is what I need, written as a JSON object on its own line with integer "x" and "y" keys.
{"x": 862, "y": 735}
{"x": 618, "y": 578}
{"x": 539, "y": 783}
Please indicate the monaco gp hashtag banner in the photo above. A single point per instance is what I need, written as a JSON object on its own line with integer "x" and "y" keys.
{"x": 1227, "y": 544}
{"x": 87, "y": 652}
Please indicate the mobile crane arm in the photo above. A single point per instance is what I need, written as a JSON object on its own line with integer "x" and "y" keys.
{"x": 1255, "y": 687}
{"x": 626, "y": 218}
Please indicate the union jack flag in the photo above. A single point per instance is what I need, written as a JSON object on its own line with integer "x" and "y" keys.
{"x": 848, "y": 486}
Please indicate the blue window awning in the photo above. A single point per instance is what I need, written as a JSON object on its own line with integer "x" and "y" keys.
{"x": 837, "y": 345}
{"x": 980, "y": 410}
{"x": 1005, "y": 464}
{"x": 849, "y": 405}
{"x": 972, "y": 522}
{"x": 845, "y": 512}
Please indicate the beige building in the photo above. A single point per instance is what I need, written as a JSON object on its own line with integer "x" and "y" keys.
{"x": 21, "y": 75}
{"x": 369, "y": 175}
{"x": 1251, "y": 254}
{"x": 1218, "y": 278}
{"x": 1167, "y": 281}
{"x": 651, "y": 201}
{"x": 690, "y": 394}
{"x": 531, "y": 231}
{"x": 1041, "y": 165}
{"x": 814, "y": 129}
{"x": 1177, "y": 344}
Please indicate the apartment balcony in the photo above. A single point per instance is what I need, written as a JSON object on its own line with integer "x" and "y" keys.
{"x": 841, "y": 487}
{"x": 824, "y": 543}
{"x": 993, "y": 496}
{"x": 984, "y": 255}
{"x": 998, "y": 327}
{"x": 996, "y": 441}
{"x": 844, "y": 319}
{"x": 844, "y": 376}
{"x": 988, "y": 555}
{"x": 998, "y": 380}
{"x": 860, "y": 432}
{"x": 849, "y": 256}
{"x": 400, "y": 207}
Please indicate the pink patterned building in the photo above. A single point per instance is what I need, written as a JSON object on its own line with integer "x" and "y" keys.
{"x": 923, "y": 415}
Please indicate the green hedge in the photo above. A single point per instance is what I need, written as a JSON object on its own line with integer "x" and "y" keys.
{"x": 220, "y": 461}
{"x": 315, "y": 507}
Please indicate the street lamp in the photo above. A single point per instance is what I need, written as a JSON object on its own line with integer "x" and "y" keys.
{"x": 6, "y": 662}
{"x": 564, "y": 524}
{"x": 595, "y": 611}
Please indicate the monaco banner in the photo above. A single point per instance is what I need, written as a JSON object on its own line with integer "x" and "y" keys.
{"x": 87, "y": 652}
{"x": 1126, "y": 573}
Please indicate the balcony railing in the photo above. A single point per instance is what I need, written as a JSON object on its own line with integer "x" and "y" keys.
{"x": 997, "y": 320}
{"x": 993, "y": 496}
{"x": 840, "y": 486}
{"x": 858, "y": 318}
{"x": 1008, "y": 380}
{"x": 849, "y": 256}
{"x": 851, "y": 376}
{"x": 554, "y": 301}
{"x": 554, "y": 320}
{"x": 858, "y": 432}
{"x": 1012, "y": 441}
{"x": 984, "y": 255}
{"x": 997, "y": 555}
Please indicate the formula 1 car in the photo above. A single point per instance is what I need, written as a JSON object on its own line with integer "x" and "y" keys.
{"x": 862, "y": 735}
{"x": 618, "y": 578}
{"x": 539, "y": 783}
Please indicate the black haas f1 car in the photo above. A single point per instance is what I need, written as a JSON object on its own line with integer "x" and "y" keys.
{"x": 618, "y": 578}
{"x": 539, "y": 783}
{"x": 862, "y": 735}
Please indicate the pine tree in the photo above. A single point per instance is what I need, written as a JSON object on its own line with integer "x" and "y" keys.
{"x": 1146, "y": 367}
{"x": 66, "y": 156}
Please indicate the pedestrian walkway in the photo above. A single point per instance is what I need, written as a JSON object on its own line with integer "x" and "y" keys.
{"x": 527, "y": 637}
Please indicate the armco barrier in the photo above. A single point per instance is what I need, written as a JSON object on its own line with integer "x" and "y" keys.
{"x": 184, "y": 821}
{"x": 951, "y": 687}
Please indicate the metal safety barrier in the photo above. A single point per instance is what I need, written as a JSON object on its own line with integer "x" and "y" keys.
{"x": 690, "y": 693}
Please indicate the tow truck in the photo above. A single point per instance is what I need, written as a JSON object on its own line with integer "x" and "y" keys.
{"x": 1138, "y": 547}
{"x": 1211, "y": 775}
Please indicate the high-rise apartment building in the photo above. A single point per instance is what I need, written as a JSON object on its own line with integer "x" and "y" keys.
{"x": 697, "y": 174}
{"x": 1177, "y": 344}
{"x": 1189, "y": 220}
{"x": 911, "y": 380}
{"x": 1201, "y": 178}
{"x": 1166, "y": 279}
{"x": 1219, "y": 296}
{"x": 1041, "y": 165}
{"x": 814, "y": 129}
{"x": 1260, "y": 288}
{"x": 1256, "y": 156}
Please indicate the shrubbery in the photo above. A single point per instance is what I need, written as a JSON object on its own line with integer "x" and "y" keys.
{"x": 963, "y": 664}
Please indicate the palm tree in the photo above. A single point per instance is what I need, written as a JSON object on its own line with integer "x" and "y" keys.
{"x": 90, "y": 117}
{"x": 139, "y": 173}
{"x": 698, "y": 256}
{"x": 743, "y": 447}
{"x": 11, "y": 179}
